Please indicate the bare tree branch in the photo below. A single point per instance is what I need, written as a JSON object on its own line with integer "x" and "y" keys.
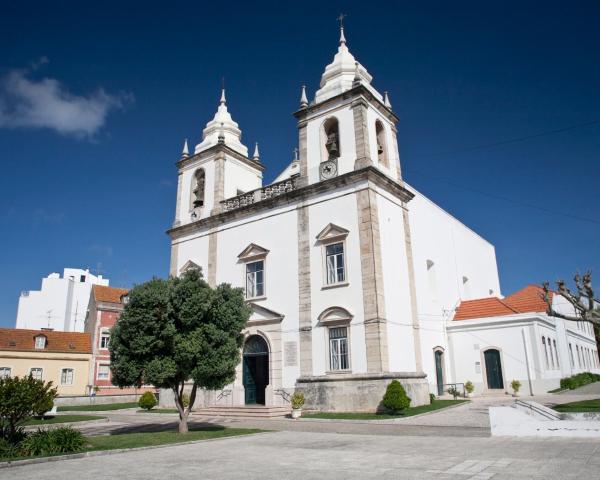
{"x": 586, "y": 306}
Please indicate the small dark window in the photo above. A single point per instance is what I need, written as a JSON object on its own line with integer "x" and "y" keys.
{"x": 82, "y": 279}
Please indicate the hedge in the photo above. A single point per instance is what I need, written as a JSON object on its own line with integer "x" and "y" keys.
{"x": 578, "y": 380}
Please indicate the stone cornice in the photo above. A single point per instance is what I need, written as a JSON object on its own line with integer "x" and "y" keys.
{"x": 370, "y": 174}
{"x": 215, "y": 149}
{"x": 359, "y": 92}
{"x": 341, "y": 377}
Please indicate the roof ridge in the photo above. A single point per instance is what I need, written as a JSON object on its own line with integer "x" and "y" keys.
{"x": 508, "y": 305}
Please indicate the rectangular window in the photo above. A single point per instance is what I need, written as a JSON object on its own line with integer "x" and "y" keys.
{"x": 66, "y": 376}
{"x": 104, "y": 340}
{"x": 5, "y": 372}
{"x": 571, "y": 355}
{"x": 103, "y": 372}
{"x": 338, "y": 348}
{"x": 40, "y": 342}
{"x": 36, "y": 373}
{"x": 556, "y": 353}
{"x": 255, "y": 279}
{"x": 334, "y": 258}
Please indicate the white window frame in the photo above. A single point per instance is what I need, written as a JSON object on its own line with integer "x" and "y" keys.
{"x": 38, "y": 344}
{"x": 339, "y": 343}
{"x": 98, "y": 377}
{"x": 546, "y": 352}
{"x": 105, "y": 333}
{"x": 571, "y": 355}
{"x": 64, "y": 384}
{"x": 556, "y": 353}
{"x": 5, "y": 372}
{"x": 41, "y": 370}
{"x": 255, "y": 295}
{"x": 336, "y": 280}
{"x": 329, "y": 236}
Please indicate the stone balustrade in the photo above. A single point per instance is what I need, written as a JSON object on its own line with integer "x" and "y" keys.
{"x": 263, "y": 193}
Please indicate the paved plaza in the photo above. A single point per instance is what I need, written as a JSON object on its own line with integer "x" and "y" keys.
{"x": 310, "y": 455}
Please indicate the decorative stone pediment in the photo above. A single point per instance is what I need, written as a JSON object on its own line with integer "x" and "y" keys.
{"x": 252, "y": 252}
{"x": 189, "y": 265}
{"x": 335, "y": 315}
{"x": 332, "y": 232}
{"x": 263, "y": 315}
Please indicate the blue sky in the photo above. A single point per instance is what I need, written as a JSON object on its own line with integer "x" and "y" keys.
{"x": 499, "y": 106}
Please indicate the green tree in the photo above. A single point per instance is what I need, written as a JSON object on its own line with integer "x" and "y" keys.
{"x": 20, "y": 399}
{"x": 179, "y": 331}
{"x": 147, "y": 401}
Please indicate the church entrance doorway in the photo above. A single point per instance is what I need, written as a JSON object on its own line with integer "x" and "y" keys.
{"x": 439, "y": 372}
{"x": 493, "y": 369}
{"x": 255, "y": 365}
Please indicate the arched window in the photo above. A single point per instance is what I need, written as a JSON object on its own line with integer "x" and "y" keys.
{"x": 556, "y": 353}
{"x": 578, "y": 356}
{"x": 546, "y": 352}
{"x": 331, "y": 139}
{"x": 198, "y": 188}
{"x": 382, "y": 150}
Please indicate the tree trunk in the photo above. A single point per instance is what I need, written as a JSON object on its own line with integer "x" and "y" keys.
{"x": 183, "y": 425}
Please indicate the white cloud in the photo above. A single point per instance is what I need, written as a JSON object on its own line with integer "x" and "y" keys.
{"x": 46, "y": 103}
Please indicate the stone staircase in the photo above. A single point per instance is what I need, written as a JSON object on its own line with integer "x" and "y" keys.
{"x": 248, "y": 411}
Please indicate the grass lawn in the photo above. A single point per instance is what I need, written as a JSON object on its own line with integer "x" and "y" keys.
{"x": 133, "y": 440}
{"x": 160, "y": 410}
{"x": 583, "y": 406}
{"x": 96, "y": 408}
{"x": 436, "y": 405}
{"x": 147, "y": 439}
{"x": 61, "y": 419}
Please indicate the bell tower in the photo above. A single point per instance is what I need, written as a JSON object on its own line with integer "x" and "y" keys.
{"x": 348, "y": 126}
{"x": 218, "y": 169}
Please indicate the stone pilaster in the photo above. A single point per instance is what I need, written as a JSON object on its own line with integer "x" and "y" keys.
{"x": 211, "y": 275}
{"x": 413, "y": 292}
{"x": 304, "y": 292}
{"x": 219, "y": 187}
{"x": 174, "y": 259}
{"x": 372, "y": 282}
{"x": 397, "y": 166}
{"x": 177, "y": 221}
{"x": 361, "y": 134}
{"x": 303, "y": 154}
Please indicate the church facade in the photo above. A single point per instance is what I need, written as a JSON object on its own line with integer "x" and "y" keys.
{"x": 350, "y": 272}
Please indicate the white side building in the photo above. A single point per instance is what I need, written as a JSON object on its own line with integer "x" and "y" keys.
{"x": 62, "y": 302}
{"x": 351, "y": 274}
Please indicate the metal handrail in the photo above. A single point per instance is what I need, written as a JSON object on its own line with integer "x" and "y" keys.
{"x": 224, "y": 393}
{"x": 285, "y": 395}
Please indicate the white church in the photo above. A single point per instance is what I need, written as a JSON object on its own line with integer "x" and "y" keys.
{"x": 354, "y": 277}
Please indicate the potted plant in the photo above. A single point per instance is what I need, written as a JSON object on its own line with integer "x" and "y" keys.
{"x": 453, "y": 391}
{"x": 515, "y": 385}
{"x": 469, "y": 387}
{"x": 297, "y": 404}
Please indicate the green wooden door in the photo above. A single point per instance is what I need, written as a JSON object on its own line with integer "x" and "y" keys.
{"x": 439, "y": 373}
{"x": 255, "y": 370}
{"x": 493, "y": 369}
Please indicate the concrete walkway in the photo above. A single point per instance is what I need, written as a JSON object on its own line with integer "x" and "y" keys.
{"x": 308, "y": 455}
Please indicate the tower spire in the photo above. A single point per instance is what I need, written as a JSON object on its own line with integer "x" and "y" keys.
{"x": 223, "y": 101}
{"x": 303, "y": 99}
{"x": 342, "y": 36}
{"x": 386, "y": 100}
{"x": 256, "y": 155}
{"x": 186, "y": 151}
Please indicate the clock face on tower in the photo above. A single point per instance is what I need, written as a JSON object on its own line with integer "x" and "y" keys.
{"x": 328, "y": 169}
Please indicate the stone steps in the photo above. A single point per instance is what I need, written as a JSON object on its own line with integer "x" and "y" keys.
{"x": 253, "y": 411}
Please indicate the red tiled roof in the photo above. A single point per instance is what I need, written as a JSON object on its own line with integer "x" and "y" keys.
{"x": 108, "y": 294}
{"x": 528, "y": 299}
{"x": 24, "y": 340}
{"x": 482, "y": 307}
{"x": 525, "y": 300}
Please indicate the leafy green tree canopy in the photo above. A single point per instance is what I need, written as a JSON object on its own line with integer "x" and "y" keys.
{"x": 176, "y": 331}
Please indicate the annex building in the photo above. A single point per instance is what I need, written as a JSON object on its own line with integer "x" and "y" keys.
{"x": 353, "y": 276}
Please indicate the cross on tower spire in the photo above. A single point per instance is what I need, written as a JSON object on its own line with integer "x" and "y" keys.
{"x": 341, "y": 20}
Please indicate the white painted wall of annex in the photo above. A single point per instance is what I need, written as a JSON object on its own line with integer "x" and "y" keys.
{"x": 239, "y": 176}
{"x": 456, "y": 252}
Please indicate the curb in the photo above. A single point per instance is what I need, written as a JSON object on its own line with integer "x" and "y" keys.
{"x": 390, "y": 421}
{"x": 101, "y": 453}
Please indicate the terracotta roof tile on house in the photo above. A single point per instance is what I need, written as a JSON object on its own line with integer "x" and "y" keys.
{"x": 481, "y": 308}
{"x": 108, "y": 294}
{"x": 526, "y": 300}
{"x": 17, "y": 339}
